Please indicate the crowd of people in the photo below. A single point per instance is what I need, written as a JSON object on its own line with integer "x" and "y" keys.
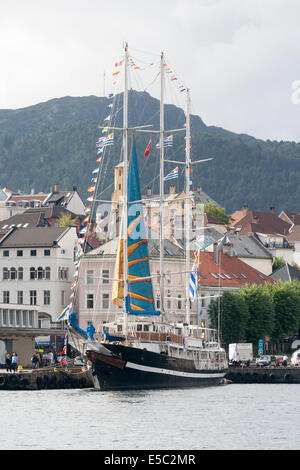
{"x": 39, "y": 359}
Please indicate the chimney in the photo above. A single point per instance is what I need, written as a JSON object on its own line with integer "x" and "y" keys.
{"x": 56, "y": 187}
{"x": 216, "y": 254}
{"x": 272, "y": 210}
{"x": 75, "y": 187}
{"x": 149, "y": 191}
{"x": 245, "y": 209}
{"x": 51, "y": 189}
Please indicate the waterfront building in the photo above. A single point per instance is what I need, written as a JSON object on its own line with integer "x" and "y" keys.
{"x": 37, "y": 270}
{"x": 17, "y": 203}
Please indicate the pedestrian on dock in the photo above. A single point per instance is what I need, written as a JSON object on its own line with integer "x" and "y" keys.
{"x": 14, "y": 362}
{"x": 8, "y": 363}
{"x": 35, "y": 361}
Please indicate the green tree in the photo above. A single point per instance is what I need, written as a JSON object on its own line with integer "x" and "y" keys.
{"x": 234, "y": 316}
{"x": 217, "y": 212}
{"x": 286, "y": 301}
{"x": 66, "y": 221}
{"x": 278, "y": 263}
{"x": 261, "y": 312}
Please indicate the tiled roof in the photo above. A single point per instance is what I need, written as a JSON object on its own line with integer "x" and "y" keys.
{"x": 286, "y": 273}
{"x": 51, "y": 212}
{"x": 33, "y": 237}
{"x": 247, "y": 246}
{"x": 294, "y": 217}
{"x": 294, "y": 235}
{"x": 110, "y": 249}
{"x": 231, "y": 272}
{"x": 262, "y": 222}
{"x": 28, "y": 197}
{"x": 25, "y": 220}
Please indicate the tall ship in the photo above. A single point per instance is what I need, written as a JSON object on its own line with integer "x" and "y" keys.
{"x": 142, "y": 348}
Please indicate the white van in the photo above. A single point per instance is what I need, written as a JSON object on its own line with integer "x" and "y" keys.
{"x": 295, "y": 359}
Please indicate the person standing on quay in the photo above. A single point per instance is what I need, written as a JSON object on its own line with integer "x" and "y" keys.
{"x": 14, "y": 362}
{"x": 8, "y": 363}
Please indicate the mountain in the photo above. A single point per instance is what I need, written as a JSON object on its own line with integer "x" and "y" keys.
{"x": 55, "y": 141}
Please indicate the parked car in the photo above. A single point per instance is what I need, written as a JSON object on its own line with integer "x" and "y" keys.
{"x": 79, "y": 361}
{"x": 263, "y": 361}
{"x": 281, "y": 361}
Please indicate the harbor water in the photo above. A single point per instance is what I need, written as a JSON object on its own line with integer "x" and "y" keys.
{"x": 237, "y": 417}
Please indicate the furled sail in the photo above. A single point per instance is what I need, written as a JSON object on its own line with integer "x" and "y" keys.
{"x": 140, "y": 291}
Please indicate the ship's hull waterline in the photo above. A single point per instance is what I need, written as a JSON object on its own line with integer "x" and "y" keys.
{"x": 129, "y": 368}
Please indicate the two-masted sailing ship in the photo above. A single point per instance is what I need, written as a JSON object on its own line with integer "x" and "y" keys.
{"x": 141, "y": 349}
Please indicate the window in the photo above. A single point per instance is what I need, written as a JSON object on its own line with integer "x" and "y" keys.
{"x": 261, "y": 276}
{"x": 179, "y": 302}
{"x": 40, "y": 273}
{"x": 90, "y": 301}
{"x": 19, "y": 252}
{"x": 221, "y": 276}
{"x": 139, "y": 327}
{"x": 6, "y": 253}
{"x": 20, "y": 297}
{"x": 32, "y": 252}
{"x": 46, "y": 297}
{"x": 63, "y": 297}
{"x": 6, "y": 296}
{"x": 168, "y": 300}
{"x": 18, "y": 317}
{"x": 244, "y": 276}
{"x": 226, "y": 275}
{"x": 30, "y": 317}
{"x": 214, "y": 275}
{"x": 62, "y": 273}
{"x": 5, "y": 274}
{"x": 20, "y": 274}
{"x": 4, "y": 316}
{"x": 105, "y": 300}
{"x": 105, "y": 276}
{"x": 13, "y": 273}
{"x": 33, "y": 297}
{"x": 47, "y": 273}
{"x": 24, "y": 317}
{"x": 90, "y": 277}
{"x": 146, "y": 327}
{"x": 203, "y": 275}
{"x": 47, "y": 252}
{"x": 32, "y": 273}
{"x": 158, "y": 301}
{"x": 11, "y": 317}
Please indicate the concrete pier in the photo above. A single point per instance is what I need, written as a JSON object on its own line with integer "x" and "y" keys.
{"x": 47, "y": 379}
{"x": 264, "y": 375}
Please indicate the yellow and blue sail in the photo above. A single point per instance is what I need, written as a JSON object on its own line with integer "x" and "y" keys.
{"x": 140, "y": 300}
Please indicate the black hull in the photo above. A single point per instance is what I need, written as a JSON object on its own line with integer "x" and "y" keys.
{"x": 134, "y": 369}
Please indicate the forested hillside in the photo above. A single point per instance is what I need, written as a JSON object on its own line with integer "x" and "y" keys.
{"x": 55, "y": 141}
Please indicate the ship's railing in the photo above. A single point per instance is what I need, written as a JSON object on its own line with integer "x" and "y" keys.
{"x": 154, "y": 337}
{"x": 211, "y": 365}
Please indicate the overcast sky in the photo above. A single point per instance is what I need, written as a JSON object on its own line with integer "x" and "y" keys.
{"x": 240, "y": 58}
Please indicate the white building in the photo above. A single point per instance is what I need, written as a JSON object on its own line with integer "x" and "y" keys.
{"x": 37, "y": 270}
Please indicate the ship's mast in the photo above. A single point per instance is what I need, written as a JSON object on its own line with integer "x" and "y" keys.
{"x": 161, "y": 192}
{"x": 125, "y": 189}
{"x": 187, "y": 223}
